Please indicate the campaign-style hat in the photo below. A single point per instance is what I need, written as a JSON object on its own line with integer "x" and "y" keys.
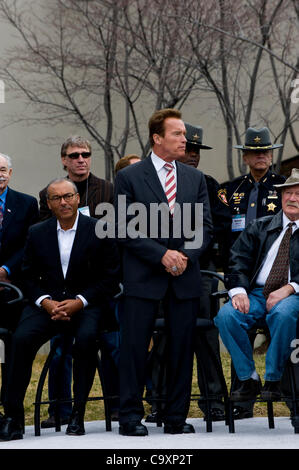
{"x": 194, "y": 136}
{"x": 257, "y": 139}
{"x": 292, "y": 180}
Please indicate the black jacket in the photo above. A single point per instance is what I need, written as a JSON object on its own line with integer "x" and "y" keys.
{"x": 93, "y": 269}
{"x": 143, "y": 273}
{"x": 250, "y": 249}
{"x": 221, "y": 219}
{"x": 21, "y": 211}
{"x": 268, "y": 202}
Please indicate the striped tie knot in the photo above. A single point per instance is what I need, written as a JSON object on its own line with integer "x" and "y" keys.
{"x": 168, "y": 166}
{"x": 170, "y": 186}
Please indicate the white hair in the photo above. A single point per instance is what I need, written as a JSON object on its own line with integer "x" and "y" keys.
{"x": 8, "y": 159}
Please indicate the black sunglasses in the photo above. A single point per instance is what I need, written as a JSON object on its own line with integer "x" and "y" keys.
{"x": 76, "y": 155}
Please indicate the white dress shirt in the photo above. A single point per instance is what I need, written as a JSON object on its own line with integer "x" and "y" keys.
{"x": 268, "y": 262}
{"x": 65, "y": 245}
{"x": 161, "y": 171}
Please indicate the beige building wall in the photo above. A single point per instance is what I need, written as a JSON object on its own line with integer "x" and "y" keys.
{"x": 35, "y": 150}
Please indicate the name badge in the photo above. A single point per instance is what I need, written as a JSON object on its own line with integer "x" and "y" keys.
{"x": 238, "y": 222}
{"x": 84, "y": 210}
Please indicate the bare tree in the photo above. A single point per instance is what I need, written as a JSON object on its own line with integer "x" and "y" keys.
{"x": 107, "y": 64}
{"x": 99, "y": 64}
{"x": 242, "y": 79}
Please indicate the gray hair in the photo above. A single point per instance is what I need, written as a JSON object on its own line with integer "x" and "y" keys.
{"x": 8, "y": 160}
{"x": 74, "y": 141}
{"x": 60, "y": 180}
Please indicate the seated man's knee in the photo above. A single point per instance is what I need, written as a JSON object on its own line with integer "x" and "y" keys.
{"x": 84, "y": 344}
{"x": 225, "y": 314}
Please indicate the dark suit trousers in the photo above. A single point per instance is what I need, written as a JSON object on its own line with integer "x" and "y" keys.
{"x": 36, "y": 328}
{"x": 136, "y": 330}
{"x": 212, "y": 336}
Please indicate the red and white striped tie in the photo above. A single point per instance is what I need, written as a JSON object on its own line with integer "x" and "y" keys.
{"x": 170, "y": 186}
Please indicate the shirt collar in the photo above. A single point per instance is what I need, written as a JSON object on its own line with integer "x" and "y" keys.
{"x": 3, "y": 196}
{"x": 286, "y": 221}
{"x": 74, "y": 227}
{"x": 159, "y": 162}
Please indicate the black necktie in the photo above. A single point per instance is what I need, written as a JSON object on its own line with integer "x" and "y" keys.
{"x": 279, "y": 273}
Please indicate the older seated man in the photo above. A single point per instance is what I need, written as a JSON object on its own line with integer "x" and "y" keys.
{"x": 263, "y": 283}
{"x": 68, "y": 273}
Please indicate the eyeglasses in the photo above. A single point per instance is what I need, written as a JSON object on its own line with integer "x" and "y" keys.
{"x": 67, "y": 197}
{"x": 76, "y": 155}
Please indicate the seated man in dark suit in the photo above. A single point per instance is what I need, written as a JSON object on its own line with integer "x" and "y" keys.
{"x": 17, "y": 212}
{"x": 68, "y": 273}
{"x": 76, "y": 158}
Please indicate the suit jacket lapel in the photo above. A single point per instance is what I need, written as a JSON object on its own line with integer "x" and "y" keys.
{"x": 151, "y": 179}
{"x": 52, "y": 239}
{"x": 181, "y": 186}
{"x": 10, "y": 208}
{"x": 80, "y": 240}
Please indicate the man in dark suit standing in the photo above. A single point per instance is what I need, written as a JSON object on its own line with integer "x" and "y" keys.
{"x": 68, "y": 273}
{"x": 160, "y": 267}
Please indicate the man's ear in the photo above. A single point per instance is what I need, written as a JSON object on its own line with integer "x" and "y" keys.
{"x": 63, "y": 159}
{"x": 157, "y": 139}
{"x": 245, "y": 158}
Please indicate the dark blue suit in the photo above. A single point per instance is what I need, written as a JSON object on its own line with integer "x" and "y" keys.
{"x": 146, "y": 283}
{"x": 21, "y": 211}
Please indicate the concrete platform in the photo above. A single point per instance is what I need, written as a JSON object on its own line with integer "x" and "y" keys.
{"x": 250, "y": 434}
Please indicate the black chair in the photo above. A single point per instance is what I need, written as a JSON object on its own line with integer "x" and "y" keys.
{"x": 10, "y": 294}
{"x": 202, "y": 326}
{"x": 38, "y": 397}
{"x": 293, "y": 398}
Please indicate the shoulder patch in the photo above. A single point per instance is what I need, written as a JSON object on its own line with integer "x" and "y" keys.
{"x": 222, "y": 196}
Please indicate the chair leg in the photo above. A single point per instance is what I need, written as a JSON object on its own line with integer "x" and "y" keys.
{"x": 231, "y": 422}
{"x": 209, "y": 425}
{"x": 292, "y": 381}
{"x": 219, "y": 370}
{"x": 107, "y": 408}
{"x": 160, "y": 396}
{"x": 57, "y": 417}
{"x": 270, "y": 414}
{"x": 39, "y": 390}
